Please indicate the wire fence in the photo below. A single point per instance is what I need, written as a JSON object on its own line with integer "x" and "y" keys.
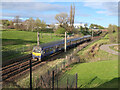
{"x": 53, "y": 79}
{"x": 16, "y": 52}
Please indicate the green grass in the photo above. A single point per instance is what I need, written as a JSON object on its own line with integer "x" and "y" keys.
{"x": 100, "y": 72}
{"x": 94, "y": 74}
{"x": 23, "y": 38}
{"x": 100, "y": 55}
{"x": 12, "y": 40}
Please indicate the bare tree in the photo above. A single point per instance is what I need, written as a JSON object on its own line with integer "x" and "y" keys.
{"x": 31, "y": 23}
{"x": 38, "y": 23}
{"x": 62, "y": 18}
{"x": 26, "y": 23}
{"x": 17, "y": 22}
{"x": 43, "y": 25}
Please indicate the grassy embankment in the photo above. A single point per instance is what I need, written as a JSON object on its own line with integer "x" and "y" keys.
{"x": 14, "y": 40}
{"x": 101, "y": 69}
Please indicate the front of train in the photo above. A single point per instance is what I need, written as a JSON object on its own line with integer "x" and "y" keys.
{"x": 37, "y": 53}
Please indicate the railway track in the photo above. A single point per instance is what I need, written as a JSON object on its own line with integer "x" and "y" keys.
{"x": 10, "y": 72}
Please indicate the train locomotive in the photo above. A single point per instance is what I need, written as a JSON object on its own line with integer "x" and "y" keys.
{"x": 49, "y": 48}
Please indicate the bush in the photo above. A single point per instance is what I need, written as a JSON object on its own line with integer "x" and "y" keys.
{"x": 60, "y": 31}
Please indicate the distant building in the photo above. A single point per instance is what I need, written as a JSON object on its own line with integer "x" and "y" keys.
{"x": 76, "y": 25}
{"x": 1, "y": 25}
{"x": 17, "y": 23}
{"x": 48, "y": 26}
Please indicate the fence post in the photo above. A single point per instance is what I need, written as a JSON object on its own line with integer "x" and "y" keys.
{"x": 48, "y": 72}
{"x": 56, "y": 68}
{"x": 53, "y": 80}
{"x": 41, "y": 81}
{"x": 57, "y": 82}
{"x": 76, "y": 79}
{"x": 67, "y": 83}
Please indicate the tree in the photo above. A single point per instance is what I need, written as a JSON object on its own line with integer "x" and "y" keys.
{"x": 60, "y": 30}
{"x": 31, "y": 23}
{"x": 86, "y": 26}
{"x": 72, "y": 15}
{"x": 81, "y": 28}
{"x": 38, "y": 23}
{"x": 96, "y": 26}
{"x": 26, "y": 23}
{"x": 63, "y": 19}
{"x": 112, "y": 37}
{"x": 17, "y": 22}
{"x": 5, "y": 23}
{"x": 110, "y": 28}
{"x": 43, "y": 25}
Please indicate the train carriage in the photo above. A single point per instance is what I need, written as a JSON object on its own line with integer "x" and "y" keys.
{"x": 49, "y": 48}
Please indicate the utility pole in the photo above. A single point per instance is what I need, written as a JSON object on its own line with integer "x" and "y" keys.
{"x": 92, "y": 34}
{"x": 65, "y": 41}
{"x": 38, "y": 37}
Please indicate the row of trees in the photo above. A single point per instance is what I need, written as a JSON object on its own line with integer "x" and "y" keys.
{"x": 29, "y": 24}
{"x": 96, "y": 26}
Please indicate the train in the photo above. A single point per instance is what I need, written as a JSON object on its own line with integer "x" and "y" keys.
{"x": 47, "y": 49}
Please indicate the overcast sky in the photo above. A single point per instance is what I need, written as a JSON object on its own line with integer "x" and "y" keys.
{"x": 102, "y": 13}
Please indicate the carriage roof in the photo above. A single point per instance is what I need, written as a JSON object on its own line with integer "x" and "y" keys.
{"x": 54, "y": 43}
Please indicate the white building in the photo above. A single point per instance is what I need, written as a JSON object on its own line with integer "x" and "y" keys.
{"x": 76, "y": 25}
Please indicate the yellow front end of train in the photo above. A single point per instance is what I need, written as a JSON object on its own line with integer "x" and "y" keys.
{"x": 36, "y": 53}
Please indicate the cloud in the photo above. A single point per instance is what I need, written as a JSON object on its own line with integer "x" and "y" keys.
{"x": 17, "y": 0}
{"x": 101, "y": 11}
{"x": 101, "y": 1}
{"x": 98, "y": 18}
{"x": 108, "y": 8}
{"x": 59, "y": 0}
{"x": 31, "y": 6}
{"x": 44, "y": 11}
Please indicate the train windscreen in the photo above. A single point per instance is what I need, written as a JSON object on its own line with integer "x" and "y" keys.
{"x": 37, "y": 49}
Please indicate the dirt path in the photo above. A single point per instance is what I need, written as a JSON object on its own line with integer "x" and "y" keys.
{"x": 107, "y": 49}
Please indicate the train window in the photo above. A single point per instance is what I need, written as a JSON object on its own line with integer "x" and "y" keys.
{"x": 37, "y": 50}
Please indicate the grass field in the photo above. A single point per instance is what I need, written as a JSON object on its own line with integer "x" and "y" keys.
{"x": 16, "y": 40}
{"x": 102, "y": 74}
{"x": 100, "y": 70}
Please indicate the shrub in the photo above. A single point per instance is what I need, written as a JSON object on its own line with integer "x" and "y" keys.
{"x": 60, "y": 31}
